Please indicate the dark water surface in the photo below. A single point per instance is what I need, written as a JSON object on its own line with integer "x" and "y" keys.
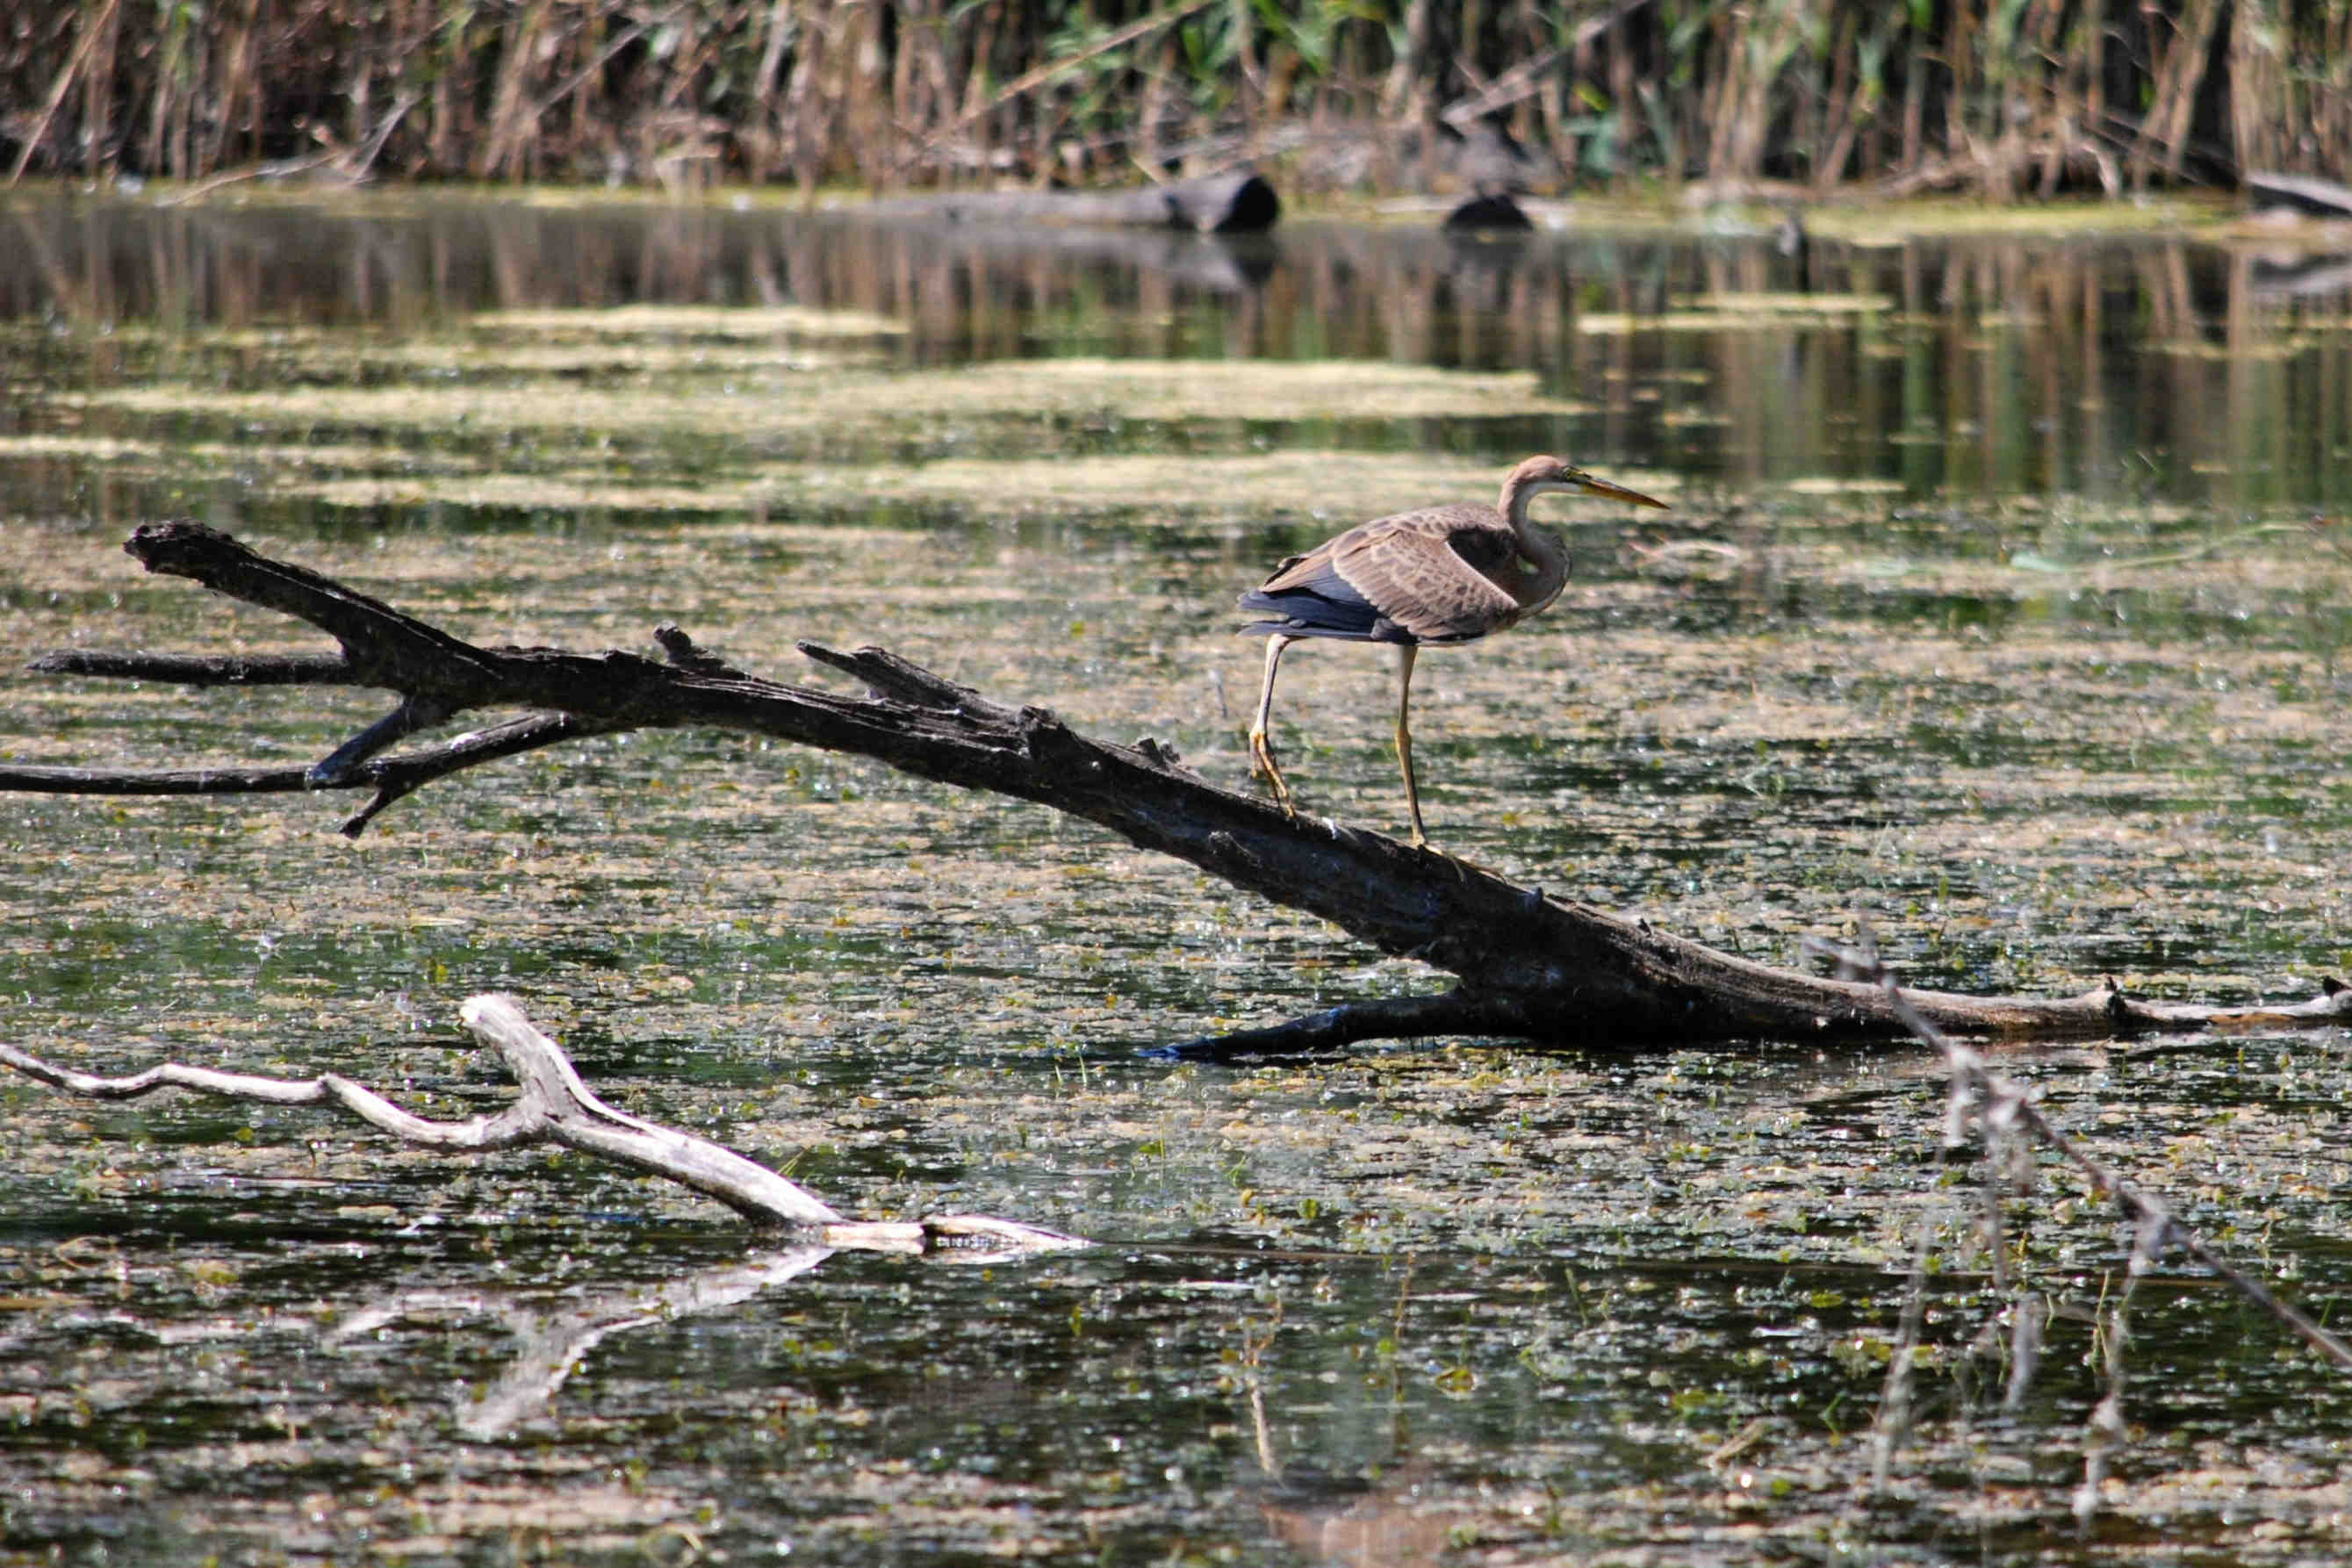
{"x": 2002, "y": 606}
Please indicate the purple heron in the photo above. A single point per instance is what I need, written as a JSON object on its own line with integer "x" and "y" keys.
{"x": 1441, "y": 575}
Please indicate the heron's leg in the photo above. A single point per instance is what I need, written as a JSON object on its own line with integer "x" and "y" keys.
{"x": 1406, "y": 653}
{"x": 1262, "y": 763}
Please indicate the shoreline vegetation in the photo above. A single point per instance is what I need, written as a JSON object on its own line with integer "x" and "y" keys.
{"x": 1774, "y": 99}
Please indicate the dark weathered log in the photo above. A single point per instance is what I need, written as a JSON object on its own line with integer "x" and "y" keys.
{"x": 1236, "y": 202}
{"x": 1530, "y": 966}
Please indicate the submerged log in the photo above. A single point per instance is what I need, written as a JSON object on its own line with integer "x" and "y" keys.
{"x": 1529, "y": 966}
{"x": 1236, "y": 202}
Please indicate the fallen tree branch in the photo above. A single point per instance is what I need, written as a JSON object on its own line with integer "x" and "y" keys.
{"x": 348, "y": 164}
{"x": 555, "y": 1106}
{"x": 1529, "y": 966}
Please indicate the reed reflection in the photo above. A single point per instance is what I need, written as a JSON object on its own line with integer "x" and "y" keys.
{"x": 2111, "y": 368}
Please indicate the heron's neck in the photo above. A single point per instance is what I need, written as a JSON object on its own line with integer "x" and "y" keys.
{"x": 1537, "y": 542}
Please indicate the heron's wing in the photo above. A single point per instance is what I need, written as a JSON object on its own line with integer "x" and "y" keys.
{"x": 1308, "y": 598}
{"x": 1418, "y": 576}
{"x": 1428, "y": 570}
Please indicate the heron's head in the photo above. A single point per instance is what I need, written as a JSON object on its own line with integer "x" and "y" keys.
{"x": 1538, "y": 475}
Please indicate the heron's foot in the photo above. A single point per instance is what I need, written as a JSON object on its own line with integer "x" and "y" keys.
{"x": 1263, "y": 766}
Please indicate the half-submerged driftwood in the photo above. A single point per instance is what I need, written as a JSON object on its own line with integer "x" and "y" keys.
{"x": 1528, "y": 966}
{"x": 1236, "y": 202}
{"x": 555, "y": 1106}
{"x": 2304, "y": 194}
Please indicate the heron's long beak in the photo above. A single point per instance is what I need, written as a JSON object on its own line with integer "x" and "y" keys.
{"x": 1602, "y": 490}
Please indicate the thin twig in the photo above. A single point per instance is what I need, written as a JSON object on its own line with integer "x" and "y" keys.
{"x": 2002, "y": 1104}
{"x": 2145, "y": 1210}
{"x": 350, "y": 165}
{"x": 1029, "y": 81}
{"x": 1526, "y": 79}
{"x": 1895, "y": 1396}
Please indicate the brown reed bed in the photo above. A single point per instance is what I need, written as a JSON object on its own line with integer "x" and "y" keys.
{"x": 2002, "y": 99}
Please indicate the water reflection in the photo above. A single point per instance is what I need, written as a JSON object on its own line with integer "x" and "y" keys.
{"x": 2123, "y": 368}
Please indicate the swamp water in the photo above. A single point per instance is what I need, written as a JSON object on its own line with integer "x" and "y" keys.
{"x": 2001, "y": 605}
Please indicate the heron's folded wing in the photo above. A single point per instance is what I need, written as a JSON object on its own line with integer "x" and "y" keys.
{"x": 1421, "y": 570}
{"x": 1313, "y": 600}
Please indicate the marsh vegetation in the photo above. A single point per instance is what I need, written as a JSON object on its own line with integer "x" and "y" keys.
{"x": 2002, "y": 99}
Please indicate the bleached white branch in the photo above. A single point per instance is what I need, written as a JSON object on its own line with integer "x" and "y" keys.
{"x": 555, "y": 1106}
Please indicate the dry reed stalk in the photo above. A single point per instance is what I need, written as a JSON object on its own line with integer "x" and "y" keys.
{"x": 1252, "y": 98}
{"x": 1828, "y": 149}
{"x": 83, "y": 47}
{"x": 98, "y": 92}
{"x": 439, "y": 111}
{"x": 2034, "y": 129}
{"x": 1914, "y": 110}
{"x": 359, "y": 80}
{"x": 1405, "y": 96}
{"x": 905, "y": 84}
{"x": 1155, "y": 105}
{"x": 2178, "y": 72}
{"x": 167, "y": 70}
{"x": 767, "y": 114}
{"x": 2064, "y": 92}
{"x": 1625, "y": 89}
{"x": 692, "y": 55}
{"x": 581, "y": 89}
{"x": 1030, "y": 80}
{"x": 864, "y": 120}
{"x": 1552, "y": 99}
{"x": 2008, "y": 95}
{"x": 1757, "y": 53}
{"x": 1957, "y": 58}
{"x": 2265, "y": 80}
{"x": 1723, "y": 80}
{"x": 805, "y": 147}
{"x": 501, "y": 149}
{"x": 940, "y": 72}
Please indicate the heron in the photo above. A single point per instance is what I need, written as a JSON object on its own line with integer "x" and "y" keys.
{"x": 1438, "y": 575}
